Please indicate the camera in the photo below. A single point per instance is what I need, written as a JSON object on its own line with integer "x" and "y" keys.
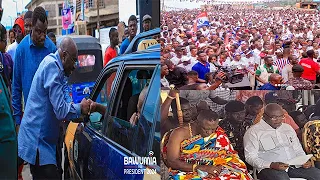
{"x": 233, "y": 74}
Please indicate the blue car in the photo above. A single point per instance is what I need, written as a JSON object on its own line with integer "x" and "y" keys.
{"x": 107, "y": 145}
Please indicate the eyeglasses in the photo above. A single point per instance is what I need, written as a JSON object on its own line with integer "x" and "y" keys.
{"x": 276, "y": 117}
{"x": 75, "y": 62}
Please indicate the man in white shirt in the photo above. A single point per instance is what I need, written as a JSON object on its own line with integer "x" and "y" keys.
{"x": 194, "y": 57}
{"x": 205, "y": 31}
{"x": 270, "y": 144}
{"x": 287, "y": 70}
{"x": 186, "y": 63}
{"x": 238, "y": 61}
{"x": 257, "y": 51}
{"x": 179, "y": 54}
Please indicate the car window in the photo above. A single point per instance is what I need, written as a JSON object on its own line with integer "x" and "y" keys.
{"x": 133, "y": 81}
{"x": 150, "y": 118}
{"x": 86, "y": 60}
{"x": 103, "y": 98}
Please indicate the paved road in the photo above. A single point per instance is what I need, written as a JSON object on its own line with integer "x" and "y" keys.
{"x": 26, "y": 175}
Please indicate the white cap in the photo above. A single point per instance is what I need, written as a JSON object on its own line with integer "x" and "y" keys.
{"x": 290, "y": 88}
{"x": 185, "y": 58}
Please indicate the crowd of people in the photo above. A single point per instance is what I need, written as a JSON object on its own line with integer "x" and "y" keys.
{"x": 272, "y": 49}
{"x": 257, "y": 131}
{"x": 35, "y": 72}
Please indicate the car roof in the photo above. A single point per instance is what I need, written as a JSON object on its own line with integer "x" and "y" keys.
{"x": 141, "y": 36}
{"x": 83, "y": 42}
{"x": 140, "y": 55}
{"x": 156, "y": 46}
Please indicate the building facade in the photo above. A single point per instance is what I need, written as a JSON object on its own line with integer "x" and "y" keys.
{"x": 108, "y": 14}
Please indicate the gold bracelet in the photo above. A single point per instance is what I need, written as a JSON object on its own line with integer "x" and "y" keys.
{"x": 194, "y": 167}
{"x": 170, "y": 97}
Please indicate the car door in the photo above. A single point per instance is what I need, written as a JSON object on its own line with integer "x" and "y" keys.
{"x": 149, "y": 123}
{"x": 89, "y": 133}
{"x": 101, "y": 145}
{"x": 121, "y": 135}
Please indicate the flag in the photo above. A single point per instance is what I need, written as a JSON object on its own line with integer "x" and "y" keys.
{"x": 202, "y": 20}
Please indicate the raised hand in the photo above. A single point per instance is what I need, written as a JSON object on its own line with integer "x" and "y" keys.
{"x": 85, "y": 106}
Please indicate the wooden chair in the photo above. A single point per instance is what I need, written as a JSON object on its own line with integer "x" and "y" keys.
{"x": 311, "y": 139}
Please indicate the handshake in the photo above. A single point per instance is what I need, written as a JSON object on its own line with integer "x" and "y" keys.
{"x": 87, "y": 106}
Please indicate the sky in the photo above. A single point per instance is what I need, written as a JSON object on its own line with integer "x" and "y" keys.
{"x": 9, "y": 10}
{"x": 186, "y": 4}
{"x": 183, "y": 4}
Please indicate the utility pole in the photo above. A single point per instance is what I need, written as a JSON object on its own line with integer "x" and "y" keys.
{"x": 98, "y": 19}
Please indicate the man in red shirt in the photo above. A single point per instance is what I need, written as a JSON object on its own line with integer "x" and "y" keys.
{"x": 112, "y": 50}
{"x": 311, "y": 68}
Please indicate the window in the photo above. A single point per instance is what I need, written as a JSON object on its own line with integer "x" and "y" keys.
{"x": 60, "y": 6}
{"x": 86, "y": 60}
{"x": 91, "y": 4}
{"x": 101, "y": 4}
{"x": 124, "y": 108}
{"x": 103, "y": 98}
{"x": 150, "y": 113}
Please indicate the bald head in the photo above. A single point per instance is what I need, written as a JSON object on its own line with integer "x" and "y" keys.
{"x": 275, "y": 79}
{"x": 67, "y": 44}
{"x": 69, "y": 55}
{"x": 272, "y": 107}
{"x": 273, "y": 115}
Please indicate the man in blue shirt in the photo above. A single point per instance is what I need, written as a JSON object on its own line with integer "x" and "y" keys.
{"x": 133, "y": 27}
{"x": 46, "y": 107}
{"x": 275, "y": 81}
{"x": 30, "y": 52}
{"x": 202, "y": 67}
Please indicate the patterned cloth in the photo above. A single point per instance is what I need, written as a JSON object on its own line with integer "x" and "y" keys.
{"x": 235, "y": 134}
{"x": 281, "y": 63}
{"x": 214, "y": 150}
{"x": 299, "y": 83}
